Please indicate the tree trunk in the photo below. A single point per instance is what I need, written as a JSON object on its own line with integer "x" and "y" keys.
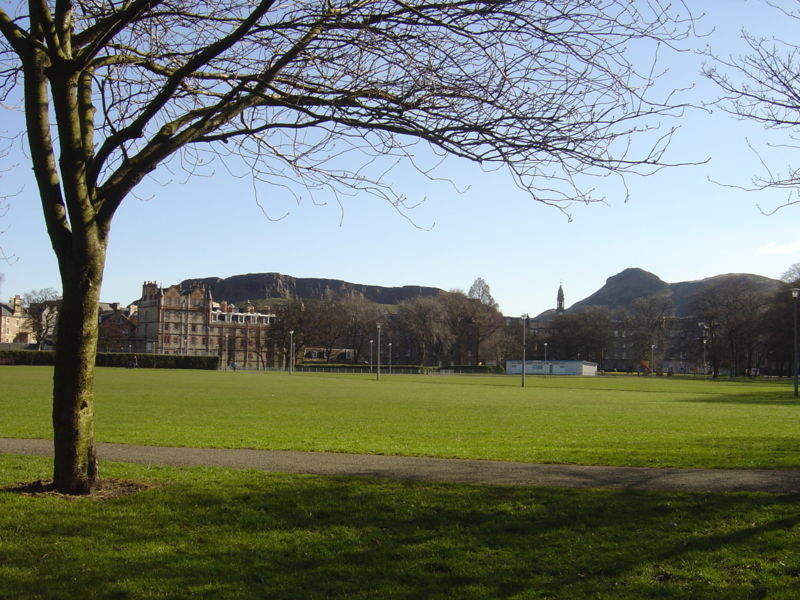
{"x": 75, "y": 465}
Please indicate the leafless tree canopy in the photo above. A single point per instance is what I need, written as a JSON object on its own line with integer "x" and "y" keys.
{"x": 548, "y": 89}
{"x": 792, "y": 274}
{"x": 41, "y": 307}
{"x": 325, "y": 94}
{"x": 764, "y": 86}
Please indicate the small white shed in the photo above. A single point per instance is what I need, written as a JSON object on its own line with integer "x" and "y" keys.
{"x": 552, "y": 367}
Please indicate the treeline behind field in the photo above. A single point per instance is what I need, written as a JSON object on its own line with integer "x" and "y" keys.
{"x": 451, "y": 328}
{"x": 735, "y": 325}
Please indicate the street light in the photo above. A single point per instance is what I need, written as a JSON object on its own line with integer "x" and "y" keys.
{"x": 795, "y": 295}
{"x": 390, "y": 358}
{"x": 704, "y": 338}
{"x": 652, "y": 358}
{"x": 370, "y": 356}
{"x": 378, "y": 378}
{"x": 291, "y": 351}
{"x": 705, "y": 363}
{"x": 524, "y": 331}
{"x": 545, "y": 359}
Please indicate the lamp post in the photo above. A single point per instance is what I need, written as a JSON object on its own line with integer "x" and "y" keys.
{"x": 705, "y": 363}
{"x": 795, "y": 295}
{"x": 390, "y": 358}
{"x": 291, "y": 351}
{"x": 378, "y": 377}
{"x": 704, "y": 338}
{"x": 524, "y": 332}
{"x": 652, "y": 358}
{"x": 546, "y": 370}
{"x": 370, "y": 356}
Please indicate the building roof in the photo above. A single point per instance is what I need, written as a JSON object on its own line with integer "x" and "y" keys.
{"x": 6, "y": 310}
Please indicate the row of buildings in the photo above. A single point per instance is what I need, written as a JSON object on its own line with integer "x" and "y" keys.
{"x": 164, "y": 321}
{"x": 189, "y": 322}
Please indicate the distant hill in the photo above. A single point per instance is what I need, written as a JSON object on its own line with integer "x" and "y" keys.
{"x": 253, "y": 286}
{"x": 623, "y": 288}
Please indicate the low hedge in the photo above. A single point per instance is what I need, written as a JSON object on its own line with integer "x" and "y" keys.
{"x": 473, "y": 369}
{"x": 351, "y": 368}
{"x": 26, "y": 357}
{"x": 112, "y": 359}
{"x": 158, "y": 361}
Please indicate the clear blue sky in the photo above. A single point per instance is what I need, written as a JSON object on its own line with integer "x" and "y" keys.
{"x": 677, "y": 224}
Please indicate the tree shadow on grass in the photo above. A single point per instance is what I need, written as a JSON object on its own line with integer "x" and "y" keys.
{"x": 770, "y": 398}
{"x": 220, "y": 534}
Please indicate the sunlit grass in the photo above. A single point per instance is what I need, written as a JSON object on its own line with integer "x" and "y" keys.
{"x": 614, "y": 420}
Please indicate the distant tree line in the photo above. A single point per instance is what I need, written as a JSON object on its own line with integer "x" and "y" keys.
{"x": 735, "y": 326}
{"x": 452, "y": 328}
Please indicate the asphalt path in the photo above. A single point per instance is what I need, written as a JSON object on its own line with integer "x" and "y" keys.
{"x": 449, "y": 470}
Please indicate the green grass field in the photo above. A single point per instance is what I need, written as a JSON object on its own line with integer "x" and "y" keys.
{"x": 218, "y": 534}
{"x": 225, "y": 534}
{"x": 612, "y": 421}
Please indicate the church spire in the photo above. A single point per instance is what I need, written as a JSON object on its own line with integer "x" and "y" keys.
{"x": 560, "y": 299}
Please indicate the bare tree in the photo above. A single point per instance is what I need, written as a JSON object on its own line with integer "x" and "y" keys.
{"x": 291, "y": 316}
{"x": 645, "y": 326}
{"x": 479, "y": 290}
{"x": 41, "y": 307}
{"x": 792, "y": 274}
{"x": 763, "y": 86}
{"x": 423, "y": 321}
{"x": 330, "y": 322}
{"x": 733, "y": 310}
{"x": 550, "y": 91}
{"x": 586, "y": 334}
{"x": 362, "y": 319}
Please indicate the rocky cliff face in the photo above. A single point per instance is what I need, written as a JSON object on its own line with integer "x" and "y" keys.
{"x": 623, "y": 288}
{"x": 252, "y": 286}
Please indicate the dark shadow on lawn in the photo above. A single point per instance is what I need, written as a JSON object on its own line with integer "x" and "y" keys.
{"x": 259, "y": 536}
{"x": 773, "y": 398}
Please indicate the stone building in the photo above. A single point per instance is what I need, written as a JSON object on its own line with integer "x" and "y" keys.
{"x": 14, "y": 325}
{"x": 187, "y": 321}
{"x": 117, "y": 329}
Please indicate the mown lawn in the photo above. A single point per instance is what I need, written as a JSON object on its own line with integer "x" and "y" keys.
{"x": 612, "y": 421}
{"x": 223, "y": 534}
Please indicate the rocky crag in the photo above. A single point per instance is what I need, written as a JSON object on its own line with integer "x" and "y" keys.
{"x": 252, "y": 286}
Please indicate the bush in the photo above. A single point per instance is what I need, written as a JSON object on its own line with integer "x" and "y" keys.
{"x": 108, "y": 359}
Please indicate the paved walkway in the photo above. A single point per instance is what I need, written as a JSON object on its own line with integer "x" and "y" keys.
{"x": 452, "y": 470}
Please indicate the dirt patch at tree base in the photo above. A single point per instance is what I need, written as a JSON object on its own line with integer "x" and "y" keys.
{"x": 107, "y": 489}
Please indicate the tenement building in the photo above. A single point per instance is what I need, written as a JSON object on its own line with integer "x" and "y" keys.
{"x": 14, "y": 325}
{"x": 187, "y": 321}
